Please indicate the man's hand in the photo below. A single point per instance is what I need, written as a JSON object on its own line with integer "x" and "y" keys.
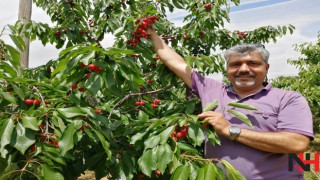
{"x": 218, "y": 122}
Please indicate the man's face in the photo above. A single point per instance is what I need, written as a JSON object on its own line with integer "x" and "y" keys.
{"x": 247, "y": 72}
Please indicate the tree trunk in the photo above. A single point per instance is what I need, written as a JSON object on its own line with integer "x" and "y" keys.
{"x": 25, "y": 10}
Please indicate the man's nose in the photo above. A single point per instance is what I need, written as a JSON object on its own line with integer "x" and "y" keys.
{"x": 244, "y": 68}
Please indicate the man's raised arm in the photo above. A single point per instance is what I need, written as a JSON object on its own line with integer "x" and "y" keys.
{"x": 170, "y": 58}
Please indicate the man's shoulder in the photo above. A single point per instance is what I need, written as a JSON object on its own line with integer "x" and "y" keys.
{"x": 285, "y": 94}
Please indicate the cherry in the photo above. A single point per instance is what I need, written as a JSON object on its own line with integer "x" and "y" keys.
{"x": 88, "y": 75}
{"x": 141, "y": 88}
{"x": 28, "y": 101}
{"x": 97, "y": 111}
{"x": 41, "y": 126}
{"x": 92, "y": 67}
{"x": 57, "y": 33}
{"x": 56, "y": 144}
{"x": 150, "y": 81}
{"x": 81, "y": 89}
{"x": 154, "y": 106}
{"x": 33, "y": 147}
{"x": 180, "y": 135}
{"x": 74, "y": 86}
{"x": 36, "y": 102}
{"x": 157, "y": 172}
{"x": 9, "y": 93}
{"x": 82, "y": 65}
{"x": 207, "y": 6}
{"x": 97, "y": 69}
{"x": 156, "y": 58}
{"x": 82, "y": 129}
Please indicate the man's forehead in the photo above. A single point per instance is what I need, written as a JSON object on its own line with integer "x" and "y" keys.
{"x": 245, "y": 57}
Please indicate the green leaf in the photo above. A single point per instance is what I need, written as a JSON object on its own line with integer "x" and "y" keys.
{"x": 240, "y": 116}
{"x": 196, "y": 134}
{"x": 70, "y": 112}
{"x": 7, "y": 127}
{"x": 164, "y": 157}
{"x": 15, "y": 56}
{"x": 49, "y": 173}
{"x": 242, "y": 105}
{"x": 137, "y": 137}
{"x": 211, "y": 106}
{"x": 181, "y": 173}
{"x": 67, "y": 140}
{"x": 143, "y": 116}
{"x": 187, "y": 148}
{"x": 152, "y": 141}
{"x": 232, "y": 173}
{"x": 104, "y": 143}
{"x": 146, "y": 163}
{"x": 213, "y": 137}
{"x": 164, "y": 135}
{"x": 18, "y": 41}
{"x": 30, "y": 122}
{"x": 25, "y": 138}
{"x": 8, "y": 97}
{"x": 207, "y": 172}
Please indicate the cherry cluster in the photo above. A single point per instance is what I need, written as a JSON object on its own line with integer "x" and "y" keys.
{"x": 242, "y": 34}
{"x": 32, "y": 102}
{"x": 141, "y": 32}
{"x": 176, "y": 134}
{"x": 208, "y": 6}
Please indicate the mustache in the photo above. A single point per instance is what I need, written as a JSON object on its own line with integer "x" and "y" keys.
{"x": 250, "y": 74}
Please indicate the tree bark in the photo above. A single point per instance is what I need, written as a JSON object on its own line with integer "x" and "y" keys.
{"x": 25, "y": 10}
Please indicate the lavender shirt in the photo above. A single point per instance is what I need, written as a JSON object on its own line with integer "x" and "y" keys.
{"x": 279, "y": 110}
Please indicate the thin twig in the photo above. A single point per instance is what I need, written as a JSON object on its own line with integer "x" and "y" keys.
{"x": 136, "y": 94}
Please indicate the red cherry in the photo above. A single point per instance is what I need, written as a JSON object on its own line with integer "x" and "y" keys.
{"x": 97, "y": 111}
{"x": 28, "y": 101}
{"x": 41, "y": 126}
{"x": 33, "y": 147}
{"x": 180, "y": 135}
{"x": 150, "y": 81}
{"x": 36, "y": 102}
{"x": 81, "y": 89}
{"x": 141, "y": 176}
{"x": 88, "y": 75}
{"x": 156, "y": 58}
{"x": 184, "y": 36}
{"x": 82, "y": 129}
{"x": 47, "y": 102}
{"x": 97, "y": 69}
{"x": 142, "y": 103}
{"x": 157, "y": 172}
{"x": 157, "y": 101}
{"x": 137, "y": 103}
{"x": 184, "y": 132}
{"x": 154, "y": 106}
{"x": 141, "y": 88}
{"x": 92, "y": 66}
{"x": 82, "y": 65}
{"x": 74, "y": 86}
{"x": 8, "y": 92}
{"x": 56, "y": 144}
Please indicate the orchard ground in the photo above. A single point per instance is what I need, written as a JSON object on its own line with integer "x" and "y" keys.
{"x": 314, "y": 147}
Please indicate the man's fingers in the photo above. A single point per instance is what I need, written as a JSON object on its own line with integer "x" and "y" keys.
{"x": 206, "y": 114}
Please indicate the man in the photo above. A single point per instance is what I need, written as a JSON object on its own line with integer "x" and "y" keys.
{"x": 282, "y": 125}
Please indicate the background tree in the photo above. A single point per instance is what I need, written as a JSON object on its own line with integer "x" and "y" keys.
{"x": 307, "y": 82}
{"x": 117, "y": 111}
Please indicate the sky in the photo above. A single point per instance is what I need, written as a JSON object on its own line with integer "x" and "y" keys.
{"x": 251, "y": 14}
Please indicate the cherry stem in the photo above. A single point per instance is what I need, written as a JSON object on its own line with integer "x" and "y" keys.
{"x": 136, "y": 94}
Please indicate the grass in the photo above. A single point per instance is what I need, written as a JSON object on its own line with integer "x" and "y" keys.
{"x": 314, "y": 147}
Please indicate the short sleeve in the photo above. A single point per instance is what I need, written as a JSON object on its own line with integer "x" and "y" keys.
{"x": 295, "y": 115}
